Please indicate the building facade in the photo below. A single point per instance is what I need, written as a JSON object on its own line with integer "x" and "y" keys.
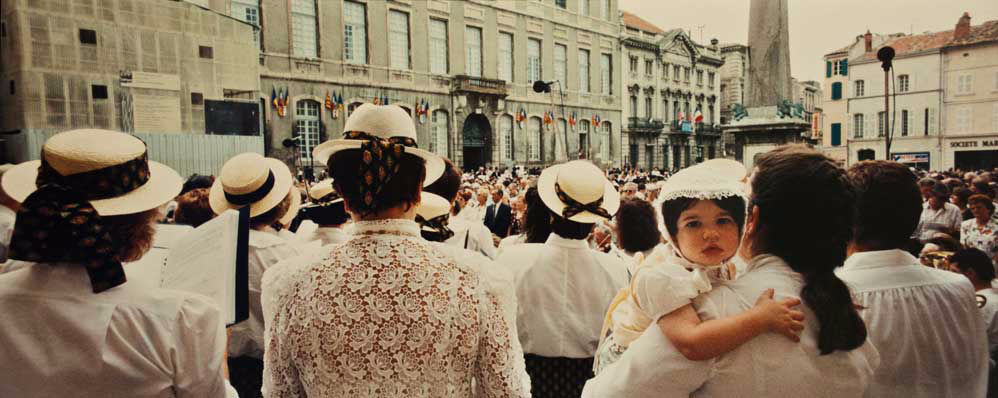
{"x": 463, "y": 69}
{"x": 733, "y": 82}
{"x": 970, "y": 100}
{"x": 809, "y": 94}
{"x": 168, "y": 71}
{"x": 668, "y": 76}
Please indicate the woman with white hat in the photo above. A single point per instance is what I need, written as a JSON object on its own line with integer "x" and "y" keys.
{"x": 562, "y": 286}
{"x": 464, "y": 233}
{"x": 74, "y": 327}
{"x": 325, "y": 218}
{"x": 264, "y": 185}
{"x": 386, "y": 313}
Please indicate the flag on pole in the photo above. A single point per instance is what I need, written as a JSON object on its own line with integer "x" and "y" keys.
{"x": 329, "y": 101}
{"x": 547, "y": 120}
{"x": 698, "y": 116}
{"x": 572, "y": 120}
{"x": 273, "y": 97}
{"x": 520, "y": 117}
{"x": 376, "y": 100}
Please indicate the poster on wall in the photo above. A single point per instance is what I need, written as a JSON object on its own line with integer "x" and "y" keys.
{"x": 155, "y": 114}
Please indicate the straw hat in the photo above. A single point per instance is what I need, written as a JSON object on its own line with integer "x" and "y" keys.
{"x": 432, "y": 206}
{"x": 321, "y": 189}
{"x": 384, "y": 121}
{"x": 85, "y": 150}
{"x": 581, "y": 181}
{"x": 251, "y": 179}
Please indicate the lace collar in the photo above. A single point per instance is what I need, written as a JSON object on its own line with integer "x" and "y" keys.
{"x": 392, "y": 226}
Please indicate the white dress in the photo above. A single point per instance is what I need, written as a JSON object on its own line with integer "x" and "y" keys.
{"x": 769, "y": 365}
{"x": 387, "y": 314}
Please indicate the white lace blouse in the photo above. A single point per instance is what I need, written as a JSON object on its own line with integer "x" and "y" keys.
{"x": 384, "y": 314}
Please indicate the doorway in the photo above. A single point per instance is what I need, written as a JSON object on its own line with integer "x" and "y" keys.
{"x": 476, "y": 143}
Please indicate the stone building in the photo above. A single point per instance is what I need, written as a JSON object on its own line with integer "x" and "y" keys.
{"x": 167, "y": 71}
{"x": 970, "y": 97}
{"x": 463, "y": 69}
{"x": 733, "y": 82}
{"x": 666, "y": 74}
{"x": 835, "y": 108}
{"x": 809, "y": 94}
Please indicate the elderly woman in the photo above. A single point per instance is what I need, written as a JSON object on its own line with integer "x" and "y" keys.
{"x": 73, "y": 325}
{"x": 981, "y": 232}
{"x": 386, "y": 313}
{"x": 832, "y": 357}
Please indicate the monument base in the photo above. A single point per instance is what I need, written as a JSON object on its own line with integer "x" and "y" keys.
{"x": 764, "y": 130}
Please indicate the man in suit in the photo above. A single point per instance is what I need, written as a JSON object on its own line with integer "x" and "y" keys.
{"x": 498, "y": 215}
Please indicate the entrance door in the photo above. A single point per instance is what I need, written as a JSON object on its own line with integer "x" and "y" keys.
{"x": 649, "y": 157}
{"x": 634, "y": 155}
{"x": 475, "y": 137}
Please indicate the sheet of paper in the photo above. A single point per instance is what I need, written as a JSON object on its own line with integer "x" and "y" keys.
{"x": 204, "y": 261}
{"x": 148, "y": 271}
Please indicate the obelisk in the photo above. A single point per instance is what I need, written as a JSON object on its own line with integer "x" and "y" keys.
{"x": 769, "y": 59}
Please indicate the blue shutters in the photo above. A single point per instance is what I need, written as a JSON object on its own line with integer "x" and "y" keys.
{"x": 836, "y": 134}
{"x": 828, "y": 68}
{"x": 845, "y": 67}
{"x": 836, "y": 90}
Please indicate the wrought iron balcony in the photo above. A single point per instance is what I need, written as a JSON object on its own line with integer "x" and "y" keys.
{"x": 480, "y": 85}
{"x": 645, "y": 125}
{"x": 708, "y": 129}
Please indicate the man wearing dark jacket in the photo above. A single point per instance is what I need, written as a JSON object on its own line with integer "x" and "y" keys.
{"x": 498, "y": 215}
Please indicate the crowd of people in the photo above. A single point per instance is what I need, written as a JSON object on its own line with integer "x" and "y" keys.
{"x": 398, "y": 275}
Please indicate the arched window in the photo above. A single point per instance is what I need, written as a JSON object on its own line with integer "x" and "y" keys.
{"x": 438, "y": 133}
{"x": 604, "y": 145}
{"x": 903, "y": 84}
{"x": 634, "y": 106}
{"x": 506, "y": 137}
{"x": 307, "y": 127}
{"x": 534, "y": 139}
{"x": 648, "y": 111}
{"x": 665, "y": 110}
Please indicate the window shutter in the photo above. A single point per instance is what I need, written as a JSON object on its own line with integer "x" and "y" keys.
{"x": 932, "y": 121}
{"x": 845, "y": 67}
{"x": 836, "y": 134}
{"x": 828, "y": 68}
{"x": 322, "y": 131}
{"x": 836, "y": 90}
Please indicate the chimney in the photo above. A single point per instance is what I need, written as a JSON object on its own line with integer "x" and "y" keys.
{"x": 962, "y": 27}
{"x": 868, "y": 39}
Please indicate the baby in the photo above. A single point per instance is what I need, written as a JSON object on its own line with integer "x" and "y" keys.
{"x": 703, "y": 212}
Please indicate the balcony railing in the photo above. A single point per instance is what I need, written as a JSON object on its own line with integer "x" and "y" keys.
{"x": 480, "y": 85}
{"x": 643, "y": 124}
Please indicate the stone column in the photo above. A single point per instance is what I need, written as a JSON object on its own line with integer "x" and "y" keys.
{"x": 769, "y": 49}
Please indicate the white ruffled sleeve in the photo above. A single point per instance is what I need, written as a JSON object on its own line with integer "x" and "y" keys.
{"x": 661, "y": 288}
{"x": 200, "y": 350}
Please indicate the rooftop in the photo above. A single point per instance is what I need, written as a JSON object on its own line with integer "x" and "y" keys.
{"x": 984, "y": 32}
{"x": 634, "y": 21}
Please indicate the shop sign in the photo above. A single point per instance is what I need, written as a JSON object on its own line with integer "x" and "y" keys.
{"x": 986, "y": 143}
{"x": 911, "y": 157}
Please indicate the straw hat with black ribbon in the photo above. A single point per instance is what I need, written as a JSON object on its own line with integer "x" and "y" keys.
{"x": 384, "y": 133}
{"x": 249, "y": 179}
{"x": 433, "y": 215}
{"x": 84, "y": 175}
{"x": 578, "y": 191}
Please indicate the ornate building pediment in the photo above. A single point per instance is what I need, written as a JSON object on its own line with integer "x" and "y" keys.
{"x": 677, "y": 41}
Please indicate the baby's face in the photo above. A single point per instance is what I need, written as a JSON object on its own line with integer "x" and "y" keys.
{"x": 707, "y": 234}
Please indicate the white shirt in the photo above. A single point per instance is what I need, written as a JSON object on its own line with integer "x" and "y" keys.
{"x": 924, "y": 321}
{"x": 989, "y": 315}
{"x": 265, "y": 250}
{"x": 7, "y": 219}
{"x": 387, "y": 314}
{"x": 510, "y": 241}
{"x": 563, "y": 290}
{"x": 932, "y": 221}
{"x": 326, "y": 235}
{"x": 769, "y": 365}
{"x": 472, "y": 235}
{"x": 59, "y": 339}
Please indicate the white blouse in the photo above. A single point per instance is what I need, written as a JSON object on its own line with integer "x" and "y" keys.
{"x": 266, "y": 249}
{"x": 563, "y": 290}
{"x": 472, "y": 235}
{"x": 387, "y": 314}
{"x": 769, "y": 365}
{"x": 59, "y": 339}
{"x": 924, "y": 321}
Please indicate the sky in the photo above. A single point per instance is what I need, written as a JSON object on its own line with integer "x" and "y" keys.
{"x": 816, "y": 27}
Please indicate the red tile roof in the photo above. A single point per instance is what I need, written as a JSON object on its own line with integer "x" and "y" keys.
{"x": 987, "y": 31}
{"x": 634, "y": 21}
{"x": 984, "y": 32}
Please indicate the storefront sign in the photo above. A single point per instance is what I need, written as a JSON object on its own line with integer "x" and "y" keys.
{"x": 985, "y": 143}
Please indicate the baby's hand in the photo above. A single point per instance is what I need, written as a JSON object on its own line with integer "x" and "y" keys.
{"x": 779, "y": 316}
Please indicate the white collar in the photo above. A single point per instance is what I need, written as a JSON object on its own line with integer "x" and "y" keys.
{"x": 555, "y": 240}
{"x": 391, "y": 226}
{"x": 879, "y": 259}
